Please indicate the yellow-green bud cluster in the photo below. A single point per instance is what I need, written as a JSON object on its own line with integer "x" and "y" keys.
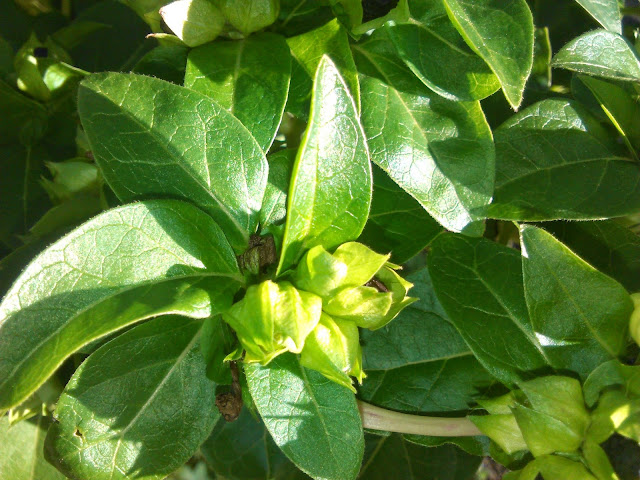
{"x": 317, "y": 313}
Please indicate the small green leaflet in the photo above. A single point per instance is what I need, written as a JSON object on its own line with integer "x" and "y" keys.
{"x": 602, "y": 54}
{"x": 330, "y": 192}
{"x": 249, "y": 77}
{"x": 579, "y": 314}
{"x": 439, "y": 151}
{"x": 479, "y": 284}
{"x": 606, "y": 12}
{"x": 138, "y": 407}
{"x": 125, "y": 265}
{"x": 501, "y": 32}
{"x": 555, "y": 161}
{"x": 313, "y": 420}
{"x": 152, "y": 138}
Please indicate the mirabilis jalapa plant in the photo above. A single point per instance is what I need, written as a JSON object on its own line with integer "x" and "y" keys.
{"x": 245, "y": 289}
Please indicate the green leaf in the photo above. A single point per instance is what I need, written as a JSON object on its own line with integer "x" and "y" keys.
{"x": 22, "y": 456}
{"x": 397, "y": 222}
{"x": 619, "y": 106}
{"x": 612, "y": 374}
{"x": 478, "y": 445}
{"x": 274, "y": 205}
{"x": 419, "y": 362}
{"x": 23, "y": 198}
{"x": 153, "y": 138}
{"x": 608, "y": 246}
{"x": 128, "y": 264}
{"x": 244, "y": 450}
{"x": 139, "y": 407}
{"x": 299, "y": 16}
{"x": 606, "y": 12}
{"x": 440, "y": 152}
{"x": 501, "y": 32}
{"x": 250, "y": 15}
{"x": 479, "y": 284}
{"x": 545, "y": 434}
{"x": 554, "y": 161}
{"x": 250, "y": 78}
{"x": 394, "y": 457}
{"x": 579, "y": 314}
{"x": 458, "y": 74}
{"x": 195, "y": 22}
{"x": 330, "y": 190}
{"x": 602, "y": 54}
{"x": 167, "y": 62}
{"x": 23, "y": 120}
{"x": 308, "y": 49}
{"x": 314, "y": 421}
{"x": 216, "y": 342}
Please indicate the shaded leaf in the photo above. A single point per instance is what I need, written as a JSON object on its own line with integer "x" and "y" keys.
{"x": 274, "y": 204}
{"x": 128, "y": 264}
{"x": 138, "y": 407}
{"x": 330, "y": 190}
{"x": 249, "y": 77}
{"x": 578, "y": 313}
{"x": 153, "y": 138}
{"x": 606, "y": 12}
{"x": 480, "y": 286}
{"x": 438, "y": 151}
{"x": 314, "y": 421}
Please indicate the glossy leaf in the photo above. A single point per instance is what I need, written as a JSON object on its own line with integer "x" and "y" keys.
{"x": 314, "y": 421}
{"x": 249, "y": 77}
{"x": 579, "y": 314}
{"x": 308, "y": 49}
{"x": 602, "y": 54}
{"x": 153, "y": 138}
{"x": 419, "y": 362}
{"x": 438, "y": 151}
{"x": 22, "y": 450}
{"x": 606, "y": 12}
{"x": 479, "y": 284}
{"x": 459, "y": 74}
{"x": 395, "y": 457}
{"x": 331, "y": 183}
{"x": 606, "y": 245}
{"x": 397, "y": 222}
{"x": 244, "y": 450}
{"x": 501, "y": 32}
{"x": 554, "y": 161}
{"x": 139, "y": 407}
{"x": 128, "y": 264}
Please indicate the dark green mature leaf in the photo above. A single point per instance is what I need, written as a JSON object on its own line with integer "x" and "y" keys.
{"x": 606, "y": 245}
{"x": 23, "y": 199}
{"x": 307, "y": 49}
{"x": 501, "y": 32}
{"x": 397, "y": 222}
{"x": 23, "y": 120}
{"x": 477, "y": 445}
{"x": 249, "y": 77}
{"x": 606, "y": 12}
{"x": 299, "y": 16}
{"x": 167, "y": 62}
{"x": 138, "y": 407}
{"x": 419, "y": 362}
{"x": 313, "y": 420}
{"x": 457, "y": 73}
{"x": 439, "y": 151}
{"x": 128, "y": 264}
{"x": 330, "y": 192}
{"x": 244, "y": 450}
{"x": 22, "y": 455}
{"x": 554, "y": 161}
{"x": 602, "y": 54}
{"x": 579, "y": 314}
{"x": 479, "y": 284}
{"x": 395, "y": 457}
{"x": 153, "y": 138}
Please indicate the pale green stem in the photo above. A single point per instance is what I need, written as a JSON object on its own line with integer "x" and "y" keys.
{"x": 376, "y": 418}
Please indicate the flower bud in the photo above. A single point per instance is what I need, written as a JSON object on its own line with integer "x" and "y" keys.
{"x": 273, "y": 318}
{"x": 249, "y": 16}
{"x": 364, "y": 306}
{"x": 193, "y": 21}
{"x": 333, "y": 349}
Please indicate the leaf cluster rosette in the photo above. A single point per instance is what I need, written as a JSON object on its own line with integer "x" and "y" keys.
{"x": 318, "y": 314}
{"x": 562, "y": 423}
